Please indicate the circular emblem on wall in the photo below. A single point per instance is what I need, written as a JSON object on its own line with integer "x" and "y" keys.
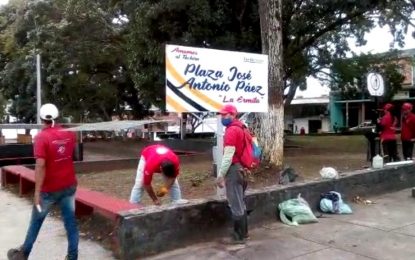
{"x": 375, "y": 84}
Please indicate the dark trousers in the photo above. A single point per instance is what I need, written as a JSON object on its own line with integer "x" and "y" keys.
{"x": 235, "y": 190}
{"x": 390, "y": 149}
{"x": 407, "y": 148}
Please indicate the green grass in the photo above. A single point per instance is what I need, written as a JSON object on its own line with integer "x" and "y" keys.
{"x": 347, "y": 144}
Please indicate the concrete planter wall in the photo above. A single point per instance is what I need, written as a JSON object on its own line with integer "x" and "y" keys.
{"x": 157, "y": 229}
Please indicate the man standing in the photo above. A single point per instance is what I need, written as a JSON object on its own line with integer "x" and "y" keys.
{"x": 55, "y": 183}
{"x": 157, "y": 159}
{"x": 408, "y": 131}
{"x": 232, "y": 174}
{"x": 387, "y": 133}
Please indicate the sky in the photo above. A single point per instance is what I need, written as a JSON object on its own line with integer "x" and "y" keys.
{"x": 378, "y": 40}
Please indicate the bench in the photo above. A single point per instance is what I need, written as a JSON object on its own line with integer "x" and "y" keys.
{"x": 17, "y": 160}
{"x": 86, "y": 201}
{"x": 27, "y": 181}
{"x": 11, "y": 174}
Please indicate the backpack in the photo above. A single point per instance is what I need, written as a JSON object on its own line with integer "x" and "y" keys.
{"x": 251, "y": 151}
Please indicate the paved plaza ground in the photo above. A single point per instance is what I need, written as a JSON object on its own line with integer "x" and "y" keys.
{"x": 51, "y": 243}
{"x": 385, "y": 230}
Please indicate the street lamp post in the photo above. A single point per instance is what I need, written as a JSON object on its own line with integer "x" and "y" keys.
{"x": 38, "y": 89}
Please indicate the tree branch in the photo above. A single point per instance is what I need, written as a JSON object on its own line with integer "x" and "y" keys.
{"x": 328, "y": 28}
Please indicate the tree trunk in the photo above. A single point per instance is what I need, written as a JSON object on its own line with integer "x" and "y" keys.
{"x": 270, "y": 130}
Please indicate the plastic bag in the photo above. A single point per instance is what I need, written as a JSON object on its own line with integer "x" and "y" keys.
{"x": 287, "y": 175}
{"x": 329, "y": 173}
{"x": 297, "y": 210}
{"x": 329, "y": 206}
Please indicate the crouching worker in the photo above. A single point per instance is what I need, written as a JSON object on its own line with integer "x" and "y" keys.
{"x": 157, "y": 159}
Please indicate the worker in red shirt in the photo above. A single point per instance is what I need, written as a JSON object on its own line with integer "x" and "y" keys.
{"x": 55, "y": 183}
{"x": 157, "y": 159}
{"x": 388, "y": 124}
{"x": 231, "y": 173}
{"x": 407, "y": 131}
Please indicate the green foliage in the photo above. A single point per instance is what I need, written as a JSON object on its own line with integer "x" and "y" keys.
{"x": 348, "y": 76}
{"x": 83, "y": 69}
{"x": 101, "y": 57}
{"x": 315, "y": 32}
{"x": 205, "y": 23}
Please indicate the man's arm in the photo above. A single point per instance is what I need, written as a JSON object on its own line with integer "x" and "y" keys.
{"x": 152, "y": 194}
{"x": 228, "y": 153}
{"x": 39, "y": 178}
{"x": 169, "y": 182}
{"x": 136, "y": 192}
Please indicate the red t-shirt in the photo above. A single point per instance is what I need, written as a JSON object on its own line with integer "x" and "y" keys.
{"x": 56, "y": 147}
{"x": 388, "y": 123}
{"x": 408, "y": 127}
{"x": 234, "y": 136}
{"x": 154, "y": 155}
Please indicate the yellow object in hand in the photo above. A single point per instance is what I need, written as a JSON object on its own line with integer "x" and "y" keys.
{"x": 162, "y": 192}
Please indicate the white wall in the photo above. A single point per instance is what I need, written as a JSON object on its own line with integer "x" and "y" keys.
{"x": 12, "y": 133}
{"x": 208, "y": 126}
{"x": 303, "y": 122}
{"x": 325, "y": 125}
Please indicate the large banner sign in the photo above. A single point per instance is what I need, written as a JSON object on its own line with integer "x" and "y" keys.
{"x": 199, "y": 79}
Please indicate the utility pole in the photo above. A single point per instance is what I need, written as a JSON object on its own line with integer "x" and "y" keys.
{"x": 38, "y": 89}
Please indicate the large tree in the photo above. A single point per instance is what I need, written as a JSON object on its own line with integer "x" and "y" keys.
{"x": 301, "y": 37}
{"x": 83, "y": 59}
{"x": 230, "y": 25}
{"x": 304, "y": 37}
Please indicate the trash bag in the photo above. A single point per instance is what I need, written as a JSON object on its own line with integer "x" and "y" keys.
{"x": 329, "y": 173}
{"x": 287, "y": 175}
{"x": 296, "y": 211}
{"x": 332, "y": 202}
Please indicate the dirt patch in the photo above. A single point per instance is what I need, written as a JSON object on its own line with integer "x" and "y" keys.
{"x": 307, "y": 155}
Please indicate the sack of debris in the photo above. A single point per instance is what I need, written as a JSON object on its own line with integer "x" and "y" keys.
{"x": 287, "y": 175}
{"x": 329, "y": 173}
{"x": 331, "y": 202}
{"x": 296, "y": 211}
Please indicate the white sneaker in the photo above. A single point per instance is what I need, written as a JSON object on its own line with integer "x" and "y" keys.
{"x": 179, "y": 202}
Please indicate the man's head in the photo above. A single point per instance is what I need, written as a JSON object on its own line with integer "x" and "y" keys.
{"x": 48, "y": 113}
{"x": 228, "y": 113}
{"x": 387, "y": 107}
{"x": 406, "y": 108}
{"x": 168, "y": 169}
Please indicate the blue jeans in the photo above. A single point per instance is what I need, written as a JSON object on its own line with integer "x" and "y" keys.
{"x": 65, "y": 199}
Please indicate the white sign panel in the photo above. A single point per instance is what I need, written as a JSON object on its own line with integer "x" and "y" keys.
{"x": 199, "y": 79}
{"x": 375, "y": 84}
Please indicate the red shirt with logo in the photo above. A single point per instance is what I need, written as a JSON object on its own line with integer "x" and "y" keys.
{"x": 408, "y": 127}
{"x": 235, "y": 136}
{"x": 154, "y": 155}
{"x": 388, "y": 124}
{"x": 56, "y": 147}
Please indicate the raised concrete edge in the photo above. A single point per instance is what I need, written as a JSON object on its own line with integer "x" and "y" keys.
{"x": 155, "y": 229}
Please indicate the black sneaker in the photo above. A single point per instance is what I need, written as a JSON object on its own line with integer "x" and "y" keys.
{"x": 16, "y": 254}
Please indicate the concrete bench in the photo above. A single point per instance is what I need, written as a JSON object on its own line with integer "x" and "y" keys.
{"x": 27, "y": 181}
{"x": 16, "y": 160}
{"x": 11, "y": 174}
{"x": 86, "y": 201}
